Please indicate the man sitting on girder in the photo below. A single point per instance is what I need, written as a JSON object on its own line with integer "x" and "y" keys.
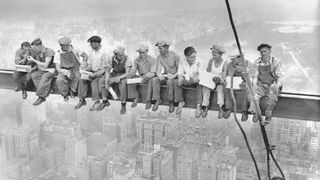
{"x": 118, "y": 70}
{"x": 68, "y": 65}
{"x": 46, "y": 71}
{"x": 188, "y": 76}
{"x": 217, "y": 66}
{"x": 267, "y": 80}
{"x": 168, "y": 61}
{"x": 146, "y": 66}
{"x": 235, "y": 68}
{"x": 96, "y": 64}
{"x": 21, "y": 79}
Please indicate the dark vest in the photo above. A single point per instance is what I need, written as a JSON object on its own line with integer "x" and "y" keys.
{"x": 266, "y": 75}
{"x": 119, "y": 67}
{"x": 69, "y": 60}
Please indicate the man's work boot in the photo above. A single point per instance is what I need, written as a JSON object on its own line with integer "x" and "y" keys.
{"x": 123, "y": 108}
{"x": 205, "y": 112}
{"x": 156, "y": 105}
{"x": 198, "y": 111}
{"x": 268, "y": 114}
{"x": 66, "y": 98}
{"x": 171, "y": 107}
{"x": 255, "y": 118}
{"x": 24, "y": 94}
{"x": 39, "y": 101}
{"x": 244, "y": 116}
{"x": 227, "y": 114}
{"x": 179, "y": 108}
{"x": 135, "y": 102}
{"x": 104, "y": 104}
{"x": 95, "y": 106}
{"x": 220, "y": 115}
{"x": 148, "y": 105}
{"x": 82, "y": 102}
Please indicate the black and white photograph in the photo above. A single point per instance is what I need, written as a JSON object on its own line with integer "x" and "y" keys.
{"x": 159, "y": 90}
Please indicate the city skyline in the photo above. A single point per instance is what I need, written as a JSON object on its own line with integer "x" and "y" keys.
{"x": 146, "y": 144}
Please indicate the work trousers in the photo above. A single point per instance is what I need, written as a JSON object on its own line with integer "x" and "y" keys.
{"x": 243, "y": 93}
{"x": 206, "y": 95}
{"x": 21, "y": 79}
{"x": 188, "y": 84}
{"x": 264, "y": 90}
{"x": 43, "y": 80}
{"x": 171, "y": 84}
{"x": 127, "y": 91}
{"x": 95, "y": 89}
{"x": 65, "y": 84}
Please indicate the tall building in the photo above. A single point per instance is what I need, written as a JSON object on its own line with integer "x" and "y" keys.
{"x": 227, "y": 162}
{"x": 152, "y": 130}
{"x": 100, "y": 145}
{"x": 207, "y": 166}
{"x": 128, "y": 148}
{"x": 18, "y": 142}
{"x": 98, "y": 168}
{"x": 155, "y": 164}
{"x": 75, "y": 151}
{"x": 285, "y": 131}
{"x": 56, "y": 133}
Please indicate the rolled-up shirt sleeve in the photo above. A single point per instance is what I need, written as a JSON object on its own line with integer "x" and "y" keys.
{"x": 104, "y": 61}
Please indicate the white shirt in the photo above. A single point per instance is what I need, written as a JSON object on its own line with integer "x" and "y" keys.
{"x": 98, "y": 59}
{"x": 187, "y": 70}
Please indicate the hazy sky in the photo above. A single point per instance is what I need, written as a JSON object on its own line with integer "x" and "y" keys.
{"x": 57, "y": 8}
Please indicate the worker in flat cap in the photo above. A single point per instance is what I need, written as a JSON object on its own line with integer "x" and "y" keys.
{"x": 188, "y": 76}
{"x": 217, "y": 66}
{"x": 267, "y": 80}
{"x": 68, "y": 61}
{"x": 97, "y": 64}
{"x": 21, "y": 79}
{"x": 168, "y": 62}
{"x": 118, "y": 70}
{"x": 46, "y": 71}
{"x": 236, "y": 68}
{"x": 146, "y": 67}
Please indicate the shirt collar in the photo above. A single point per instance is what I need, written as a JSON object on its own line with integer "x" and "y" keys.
{"x": 266, "y": 62}
{"x": 196, "y": 62}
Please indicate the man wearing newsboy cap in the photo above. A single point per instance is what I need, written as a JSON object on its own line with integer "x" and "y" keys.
{"x": 146, "y": 66}
{"x": 68, "y": 64}
{"x": 117, "y": 71}
{"x": 168, "y": 61}
{"x": 217, "y": 66}
{"x": 267, "y": 80}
